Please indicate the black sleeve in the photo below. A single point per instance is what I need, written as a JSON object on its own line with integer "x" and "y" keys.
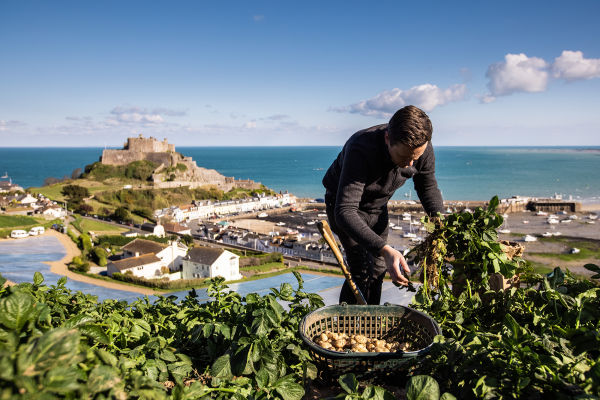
{"x": 426, "y": 184}
{"x": 350, "y": 190}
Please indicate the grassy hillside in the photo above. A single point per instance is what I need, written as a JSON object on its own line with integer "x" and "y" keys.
{"x": 106, "y": 183}
{"x": 14, "y": 221}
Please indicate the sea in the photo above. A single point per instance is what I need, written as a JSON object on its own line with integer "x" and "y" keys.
{"x": 463, "y": 173}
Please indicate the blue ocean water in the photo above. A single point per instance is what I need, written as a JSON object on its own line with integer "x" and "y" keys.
{"x": 463, "y": 173}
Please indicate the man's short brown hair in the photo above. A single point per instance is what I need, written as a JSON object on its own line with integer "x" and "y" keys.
{"x": 410, "y": 126}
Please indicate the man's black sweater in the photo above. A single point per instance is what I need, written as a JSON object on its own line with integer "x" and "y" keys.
{"x": 363, "y": 178}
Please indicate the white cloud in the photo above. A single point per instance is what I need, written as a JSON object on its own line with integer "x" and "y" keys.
{"x": 143, "y": 116}
{"x": 250, "y": 125}
{"x": 571, "y": 66}
{"x": 517, "y": 73}
{"x": 277, "y": 117}
{"x": 258, "y": 18}
{"x": 6, "y": 125}
{"x": 426, "y": 96}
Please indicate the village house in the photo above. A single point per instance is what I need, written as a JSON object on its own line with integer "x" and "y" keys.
{"x": 27, "y": 200}
{"x": 157, "y": 230}
{"x": 8, "y": 186}
{"x": 174, "y": 227}
{"x": 206, "y": 208}
{"x": 147, "y": 266}
{"x": 171, "y": 254}
{"x": 208, "y": 262}
{"x": 52, "y": 211}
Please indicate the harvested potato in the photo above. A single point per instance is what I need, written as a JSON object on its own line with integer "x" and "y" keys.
{"x": 358, "y": 343}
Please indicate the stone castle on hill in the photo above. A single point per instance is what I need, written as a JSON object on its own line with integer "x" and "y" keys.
{"x": 170, "y": 172}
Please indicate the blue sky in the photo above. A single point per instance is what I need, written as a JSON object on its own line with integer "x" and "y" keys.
{"x": 92, "y": 73}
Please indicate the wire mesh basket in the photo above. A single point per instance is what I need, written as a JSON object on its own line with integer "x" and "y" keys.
{"x": 389, "y": 322}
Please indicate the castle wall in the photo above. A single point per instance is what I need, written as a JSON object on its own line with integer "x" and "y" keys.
{"x": 149, "y": 145}
{"x": 120, "y": 157}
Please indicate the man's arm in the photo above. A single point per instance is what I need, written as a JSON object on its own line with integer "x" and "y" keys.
{"x": 426, "y": 184}
{"x": 351, "y": 186}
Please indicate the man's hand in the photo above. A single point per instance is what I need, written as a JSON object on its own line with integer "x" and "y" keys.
{"x": 394, "y": 260}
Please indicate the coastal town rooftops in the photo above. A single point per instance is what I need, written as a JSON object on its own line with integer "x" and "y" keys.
{"x": 132, "y": 262}
{"x": 143, "y": 246}
{"x": 204, "y": 255}
{"x": 175, "y": 227}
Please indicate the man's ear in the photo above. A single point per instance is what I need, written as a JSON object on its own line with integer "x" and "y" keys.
{"x": 387, "y": 137}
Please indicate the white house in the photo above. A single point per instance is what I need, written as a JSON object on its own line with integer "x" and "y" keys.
{"x": 145, "y": 266}
{"x": 53, "y": 211}
{"x": 208, "y": 262}
{"x": 171, "y": 255}
{"x": 27, "y": 199}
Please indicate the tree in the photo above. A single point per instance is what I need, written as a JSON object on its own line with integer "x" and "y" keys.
{"x": 100, "y": 256}
{"x": 85, "y": 209}
{"x": 122, "y": 214}
{"x": 85, "y": 242}
{"x": 75, "y": 193}
{"x": 76, "y": 173}
{"x": 188, "y": 240}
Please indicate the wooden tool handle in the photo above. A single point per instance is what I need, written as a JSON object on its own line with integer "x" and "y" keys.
{"x": 330, "y": 239}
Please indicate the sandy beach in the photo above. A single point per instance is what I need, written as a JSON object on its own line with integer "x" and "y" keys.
{"x": 60, "y": 267}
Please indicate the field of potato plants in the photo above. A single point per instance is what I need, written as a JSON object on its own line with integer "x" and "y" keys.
{"x": 538, "y": 340}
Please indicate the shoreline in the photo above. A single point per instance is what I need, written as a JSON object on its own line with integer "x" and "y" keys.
{"x": 59, "y": 267}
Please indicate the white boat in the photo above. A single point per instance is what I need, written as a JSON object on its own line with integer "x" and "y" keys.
{"x": 504, "y": 230}
{"x": 310, "y": 222}
{"x": 574, "y": 250}
{"x": 590, "y": 222}
{"x": 530, "y": 238}
{"x": 547, "y": 234}
{"x": 409, "y": 235}
{"x": 556, "y": 233}
{"x": 573, "y": 216}
{"x": 321, "y": 215}
{"x": 417, "y": 239}
{"x": 565, "y": 221}
{"x": 541, "y": 213}
{"x": 280, "y": 224}
{"x": 391, "y": 224}
{"x": 263, "y": 215}
{"x": 525, "y": 222}
{"x": 552, "y": 221}
{"x": 592, "y": 216}
{"x": 396, "y": 228}
{"x": 406, "y": 217}
{"x": 417, "y": 223}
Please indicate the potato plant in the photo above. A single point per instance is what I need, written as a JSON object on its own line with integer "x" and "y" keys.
{"x": 539, "y": 340}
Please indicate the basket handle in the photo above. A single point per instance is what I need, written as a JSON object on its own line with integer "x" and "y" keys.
{"x": 328, "y": 236}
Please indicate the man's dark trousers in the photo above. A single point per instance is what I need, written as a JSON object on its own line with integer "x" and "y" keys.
{"x": 367, "y": 269}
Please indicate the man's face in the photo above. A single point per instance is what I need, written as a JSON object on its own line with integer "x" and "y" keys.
{"x": 402, "y": 155}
